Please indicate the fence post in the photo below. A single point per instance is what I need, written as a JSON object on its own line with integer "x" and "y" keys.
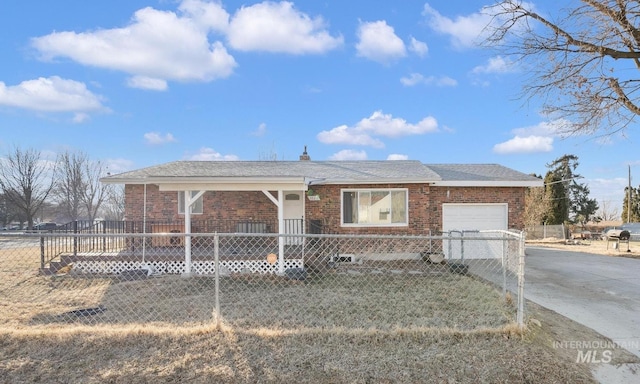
{"x": 520, "y": 314}
{"x": 42, "y": 252}
{"x": 75, "y": 238}
{"x": 104, "y": 238}
{"x": 216, "y": 257}
{"x": 505, "y": 250}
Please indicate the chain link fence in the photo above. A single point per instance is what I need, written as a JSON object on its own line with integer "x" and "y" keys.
{"x": 544, "y": 231}
{"x": 459, "y": 280}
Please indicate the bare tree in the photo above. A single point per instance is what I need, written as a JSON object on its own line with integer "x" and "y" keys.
{"x": 95, "y": 192}
{"x": 536, "y": 206}
{"x": 25, "y": 181}
{"x": 70, "y": 183}
{"x": 608, "y": 212}
{"x": 113, "y": 208}
{"x": 78, "y": 186}
{"x": 9, "y": 212}
{"x": 584, "y": 64}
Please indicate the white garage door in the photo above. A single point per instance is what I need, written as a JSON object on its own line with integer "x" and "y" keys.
{"x": 467, "y": 219}
{"x": 474, "y": 217}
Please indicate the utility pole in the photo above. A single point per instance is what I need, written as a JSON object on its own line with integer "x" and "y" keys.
{"x": 629, "y": 198}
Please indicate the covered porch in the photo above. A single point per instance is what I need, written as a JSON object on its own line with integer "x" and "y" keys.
{"x": 285, "y": 194}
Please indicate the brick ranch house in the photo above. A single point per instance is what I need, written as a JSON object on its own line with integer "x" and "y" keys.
{"x": 329, "y": 197}
{"x": 336, "y": 197}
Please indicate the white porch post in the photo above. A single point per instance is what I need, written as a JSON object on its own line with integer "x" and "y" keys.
{"x": 187, "y": 232}
{"x": 280, "y": 232}
{"x": 188, "y": 203}
{"x": 279, "y": 202}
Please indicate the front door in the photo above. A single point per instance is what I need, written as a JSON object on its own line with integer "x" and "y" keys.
{"x": 293, "y": 216}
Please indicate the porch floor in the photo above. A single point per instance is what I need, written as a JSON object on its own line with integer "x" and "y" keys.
{"x": 172, "y": 260}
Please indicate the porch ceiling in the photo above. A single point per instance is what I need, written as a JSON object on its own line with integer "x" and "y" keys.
{"x": 233, "y": 184}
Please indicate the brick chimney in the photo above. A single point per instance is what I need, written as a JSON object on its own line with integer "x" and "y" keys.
{"x": 305, "y": 156}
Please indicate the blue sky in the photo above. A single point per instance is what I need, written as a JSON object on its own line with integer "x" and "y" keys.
{"x": 137, "y": 83}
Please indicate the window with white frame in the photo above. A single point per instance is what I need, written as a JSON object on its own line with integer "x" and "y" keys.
{"x": 371, "y": 207}
{"x": 196, "y": 208}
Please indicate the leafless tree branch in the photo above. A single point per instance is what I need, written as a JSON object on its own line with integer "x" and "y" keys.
{"x": 583, "y": 66}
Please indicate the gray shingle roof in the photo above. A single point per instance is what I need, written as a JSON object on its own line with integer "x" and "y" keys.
{"x": 331, "y": 171}
{"x": 327, "y": 172}
{"x": 478, "y": 172}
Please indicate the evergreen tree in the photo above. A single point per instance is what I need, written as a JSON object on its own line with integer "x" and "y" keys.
{"x": 576, "y": 202}
{"x": 635, "y": 205}
{"x": 582, "y": 207}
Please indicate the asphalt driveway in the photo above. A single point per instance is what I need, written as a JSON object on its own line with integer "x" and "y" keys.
{"x": 600, "y": 292}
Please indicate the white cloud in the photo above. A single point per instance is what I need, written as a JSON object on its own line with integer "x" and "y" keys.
{"x": 418, "y": 47}
{"x": 396, "y": 156}
{"x": 545, "y": 128}
{"x": 51, "y": 94}
{"x": 260, "y": 131}
{"x": 417, "y": 78}
{"x": 378, "y": 42}
{"x": 155, "y": 138}
{"x": 115, "y": 166}
{"x": 149, "y": 83}
{"x": 208, "y": 154}
{"x": 80, "y": 117}
{"x": 160, "y": 45}
{"x": 348, "y": 135}
{"x": 496, "y": 64}
{"x": 533, "y": 139}
{"x": 528, "y": 144}
{"x": 279, "y": 27}
{"x": 349, "y": 154}
{"x": 464, "y": 31}
{"x": 208, "y": 15}
{"x": 378, "y": 124}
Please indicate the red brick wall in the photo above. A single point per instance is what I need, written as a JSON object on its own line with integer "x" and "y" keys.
{"x": 217, "y": 205}
{"x": 425, "y": 206}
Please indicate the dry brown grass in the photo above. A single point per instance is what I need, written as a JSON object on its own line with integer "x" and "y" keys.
{"x": 234, "y": 356}
{"x": 338, "y": 329}
{"x": 352, "y": 301}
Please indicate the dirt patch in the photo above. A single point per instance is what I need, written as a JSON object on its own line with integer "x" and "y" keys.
{"x": 596, "y": 247}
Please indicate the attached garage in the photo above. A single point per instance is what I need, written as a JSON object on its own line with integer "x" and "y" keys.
{"x": 474, "y": 217}
{"x": 463, "y": 220}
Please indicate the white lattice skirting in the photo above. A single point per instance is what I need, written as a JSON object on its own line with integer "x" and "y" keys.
{"x": 177, "y": 267}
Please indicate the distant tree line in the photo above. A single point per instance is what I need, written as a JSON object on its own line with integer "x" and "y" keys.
{"x": 63, "y": 190}
{"x": 563, "y": 200}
